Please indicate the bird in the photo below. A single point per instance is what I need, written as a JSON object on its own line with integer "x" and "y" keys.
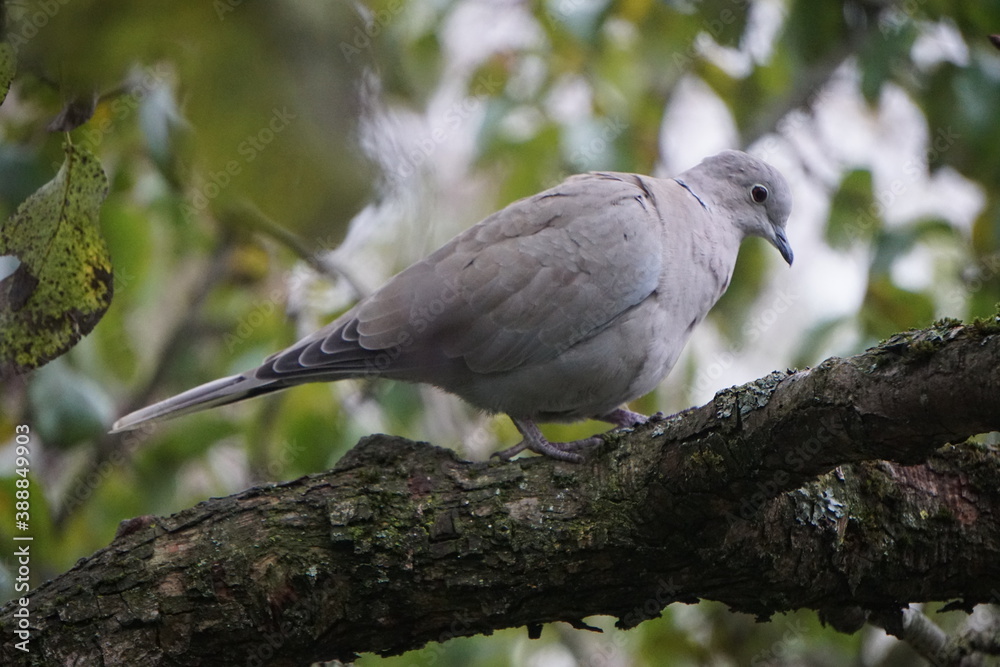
{"x": 562, "y": 306}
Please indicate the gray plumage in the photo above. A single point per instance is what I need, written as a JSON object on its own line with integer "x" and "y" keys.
{"x": 560, "y": 307}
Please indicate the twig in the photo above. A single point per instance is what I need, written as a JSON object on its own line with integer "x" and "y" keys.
{"x": 254, "y": 218}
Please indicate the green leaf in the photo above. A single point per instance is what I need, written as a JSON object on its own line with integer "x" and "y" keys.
{"x": 63, "y": 283}
{"x": 8, "y": 66}
{"x": 892, "y": 244}
{"x": 815, "y": 29}
{"x": 882, "y": 55}
{"x": 854, "y": 215}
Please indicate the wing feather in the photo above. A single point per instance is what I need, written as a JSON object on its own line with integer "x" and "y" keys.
{"x": 520, "y": 287}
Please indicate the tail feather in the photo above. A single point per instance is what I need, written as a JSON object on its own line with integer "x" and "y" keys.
{"x": 209, "y": 395}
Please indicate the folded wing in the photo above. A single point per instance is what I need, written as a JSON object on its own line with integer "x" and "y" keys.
{"x": 519, "y": 288}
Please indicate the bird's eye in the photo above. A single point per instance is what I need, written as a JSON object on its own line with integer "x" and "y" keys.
{"x": 759, "y": 193}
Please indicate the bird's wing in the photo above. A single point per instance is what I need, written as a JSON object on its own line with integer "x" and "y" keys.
{"x": 528, "y": 282}
{"x": 523, "y": 285}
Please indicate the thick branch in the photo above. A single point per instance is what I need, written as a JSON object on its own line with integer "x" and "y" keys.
{"x": 741, "y": 500}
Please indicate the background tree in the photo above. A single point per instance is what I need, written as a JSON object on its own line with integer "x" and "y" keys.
{"x": 267, "y": 162}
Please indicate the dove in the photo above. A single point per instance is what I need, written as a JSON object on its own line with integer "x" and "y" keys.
{"x": 561, "y": 307}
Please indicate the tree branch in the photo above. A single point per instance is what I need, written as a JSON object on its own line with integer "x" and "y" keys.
{"x": 777, "y": 495}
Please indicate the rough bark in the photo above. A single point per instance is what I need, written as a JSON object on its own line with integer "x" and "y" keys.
{"x": 850, "y": 485}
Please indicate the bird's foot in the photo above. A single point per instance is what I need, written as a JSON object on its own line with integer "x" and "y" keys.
{"x": 563, "y": 451}
{"x": 625, "y": 417}
{"x": 534, "y": 441}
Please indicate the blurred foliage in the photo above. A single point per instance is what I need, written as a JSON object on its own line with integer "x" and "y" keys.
{"x": 853, "y": 217}
{"x": 8, "y": 66}
{"x": 210, "y": 117}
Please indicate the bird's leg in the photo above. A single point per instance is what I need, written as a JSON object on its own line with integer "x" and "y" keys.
{"x": 623, "y": 417}
{"x": 534, "y": 441}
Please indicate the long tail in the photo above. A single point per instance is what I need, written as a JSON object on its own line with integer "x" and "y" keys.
{"x": 209, "y": 395}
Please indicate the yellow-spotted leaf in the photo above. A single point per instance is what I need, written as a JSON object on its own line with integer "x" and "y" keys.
{"x": 8, "y": 65}
{"x": 62, "y": 283}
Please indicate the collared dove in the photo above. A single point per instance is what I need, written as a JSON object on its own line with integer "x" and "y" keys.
{"x": 560, "y": 307}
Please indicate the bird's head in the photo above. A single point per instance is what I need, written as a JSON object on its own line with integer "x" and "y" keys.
{"x": 753, "y": 192}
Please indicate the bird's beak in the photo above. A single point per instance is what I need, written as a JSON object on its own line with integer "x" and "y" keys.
{"x": 780, "y": 242}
